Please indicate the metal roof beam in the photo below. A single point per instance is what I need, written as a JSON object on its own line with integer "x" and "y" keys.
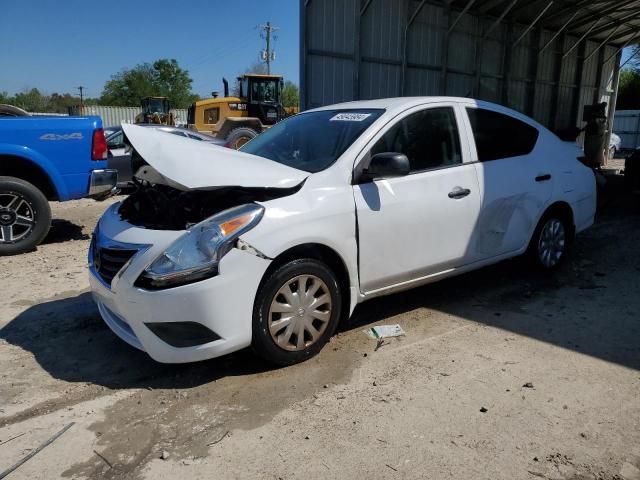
{"x": 557, "y": 34}
{"x": 627, "y": 43}
{"x": 564, "y": 55}
{"x": 571, "y": 8}
{"x": 591, "y": 14}
{"x": 532, "y": 24}
{"x": 489, "y": 5}
{"x": 461, "y": 14}
{"x": 602, "y": 44}
{"x": 618, "y": 23}
{"x": 499, "y": 19}
{"x": 632, "y": 30}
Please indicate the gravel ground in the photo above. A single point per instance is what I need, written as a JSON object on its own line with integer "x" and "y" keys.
{"x": 503, "y": 374}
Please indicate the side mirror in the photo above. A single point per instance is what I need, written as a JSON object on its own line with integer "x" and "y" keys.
{"x": 385, "y": 165}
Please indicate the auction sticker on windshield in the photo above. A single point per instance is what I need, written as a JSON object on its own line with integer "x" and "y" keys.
{"x": 350, "y": 117}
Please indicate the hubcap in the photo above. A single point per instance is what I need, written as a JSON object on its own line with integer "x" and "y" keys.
{"x": 300, "y": 312}
{"x": 552, "y": 241}
{"x": 17, "y": 218}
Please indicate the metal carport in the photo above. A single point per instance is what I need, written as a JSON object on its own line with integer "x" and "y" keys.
{"x": 545, "y": 58}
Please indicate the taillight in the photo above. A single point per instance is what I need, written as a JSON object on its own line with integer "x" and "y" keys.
{"x": 99, "y": 145}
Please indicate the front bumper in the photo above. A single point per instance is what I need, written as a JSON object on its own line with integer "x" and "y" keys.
{"x": 223, "y": 304}
{"x": 102, "y": 183}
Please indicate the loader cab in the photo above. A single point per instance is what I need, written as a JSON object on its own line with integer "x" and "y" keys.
{"x": 151, "y": 105}
{"x": 155, "y": 110}
{"x": 263, "y": 94}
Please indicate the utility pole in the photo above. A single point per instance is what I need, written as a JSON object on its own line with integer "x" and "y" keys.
{"x": 268, "y": 55}
{"x": 81, "y": 88}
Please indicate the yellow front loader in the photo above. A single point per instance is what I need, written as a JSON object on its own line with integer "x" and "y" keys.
{"x": 238, "y": 119}
{"x": 155, "y": 110}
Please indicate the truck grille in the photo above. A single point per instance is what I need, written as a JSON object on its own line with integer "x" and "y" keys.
{"x": 109, "y": 261}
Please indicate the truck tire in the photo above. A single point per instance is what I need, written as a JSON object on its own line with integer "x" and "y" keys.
{"x": 25, "y": 216}
{"x": 239, "y": 136}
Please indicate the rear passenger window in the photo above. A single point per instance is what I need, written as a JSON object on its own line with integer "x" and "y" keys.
{"x": 429, "y": 138}
{"x": 500, "y": 136}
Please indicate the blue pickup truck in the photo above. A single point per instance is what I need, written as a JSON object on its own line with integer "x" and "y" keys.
{"x": 46, "y": 159}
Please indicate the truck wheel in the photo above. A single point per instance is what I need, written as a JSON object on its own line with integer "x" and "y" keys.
{"x": 25, "y": 216}
{"x": 239, "y": 136}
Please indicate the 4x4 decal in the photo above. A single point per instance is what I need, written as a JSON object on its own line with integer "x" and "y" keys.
{"x": 65, "y": 136}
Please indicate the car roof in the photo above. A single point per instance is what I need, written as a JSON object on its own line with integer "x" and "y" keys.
{"x": 396, "y": 105}
{"x": 393, "y": 103}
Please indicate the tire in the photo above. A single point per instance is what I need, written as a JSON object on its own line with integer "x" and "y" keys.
{"x": 25, "y": 216}
{"x": 551, "y": 241}
{"x": 282, "y": 344}
{"x": 239, "y": 136}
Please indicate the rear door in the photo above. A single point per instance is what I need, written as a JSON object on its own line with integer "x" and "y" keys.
{"x": 515, "y": 177}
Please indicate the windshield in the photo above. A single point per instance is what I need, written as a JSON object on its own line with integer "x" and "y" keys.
{"x": 264, "y": 91}
{"x": 312, "y": 141}
{"x": 156, "y": 105}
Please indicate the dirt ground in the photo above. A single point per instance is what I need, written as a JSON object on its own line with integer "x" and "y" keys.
{"x": 503, "y": 374}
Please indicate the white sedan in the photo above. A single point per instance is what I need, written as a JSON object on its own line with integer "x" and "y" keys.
{"x": 272, "y": 246}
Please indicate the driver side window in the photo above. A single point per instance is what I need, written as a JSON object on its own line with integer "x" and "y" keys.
{"x": 429, "y": 138}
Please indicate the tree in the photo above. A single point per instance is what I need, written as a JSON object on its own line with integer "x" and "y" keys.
{"x": 35, "y": 101}
{"x": 163, "y": 78}
{"x": 290, "y": 95}
{"x": 629, "y": 90}
{"x": 31, "y": 101}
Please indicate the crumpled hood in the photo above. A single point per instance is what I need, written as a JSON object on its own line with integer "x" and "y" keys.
{"x": 189, "y": 164}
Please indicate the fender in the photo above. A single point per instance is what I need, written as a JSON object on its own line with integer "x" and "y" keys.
{"x": 37, "y": 159}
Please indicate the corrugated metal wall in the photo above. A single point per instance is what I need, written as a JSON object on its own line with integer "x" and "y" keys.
{"x": 626, "y": 124}
{"x": 112, "y": 116}
{"x": 355, "y": 49}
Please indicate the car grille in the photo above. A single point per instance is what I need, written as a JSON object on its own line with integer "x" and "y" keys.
{"x": 109, "y": 261}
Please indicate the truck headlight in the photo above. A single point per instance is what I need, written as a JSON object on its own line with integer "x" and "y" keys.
{"x": 196, "y": 254}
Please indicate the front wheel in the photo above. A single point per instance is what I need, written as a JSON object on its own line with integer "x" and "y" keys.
{"x": 239, "y": 136}
{"x": 550, "y": 243}
{"x": 25, "y": 216}
{"x": 296, "y": 311}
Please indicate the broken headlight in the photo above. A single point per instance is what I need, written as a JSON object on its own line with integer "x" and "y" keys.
{"x": 196, "y": 254}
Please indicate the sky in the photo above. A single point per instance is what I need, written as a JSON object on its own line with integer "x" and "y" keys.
{"x": 56, "y": 46}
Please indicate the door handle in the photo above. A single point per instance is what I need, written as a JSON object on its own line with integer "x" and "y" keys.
{"x": 543, "y": 178}
{"x": 458, "y": 192}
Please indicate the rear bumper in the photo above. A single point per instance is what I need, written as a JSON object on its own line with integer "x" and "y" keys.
{"x": 102, "y": 183}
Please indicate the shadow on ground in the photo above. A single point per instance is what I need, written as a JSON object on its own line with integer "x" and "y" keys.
{"x": 64, "y": 230}
{"x": 71, "y": 342}
{"x": 589, "y": 306}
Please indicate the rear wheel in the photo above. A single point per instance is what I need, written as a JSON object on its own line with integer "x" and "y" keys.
{"x": 296, "y": 311}
{"x": 551, "y": 240}
{"x": 25, "y": 216}
{"x": 239, "y": 136}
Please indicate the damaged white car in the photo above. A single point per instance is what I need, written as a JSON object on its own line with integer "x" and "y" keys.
{"x": 271, "y": 247}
